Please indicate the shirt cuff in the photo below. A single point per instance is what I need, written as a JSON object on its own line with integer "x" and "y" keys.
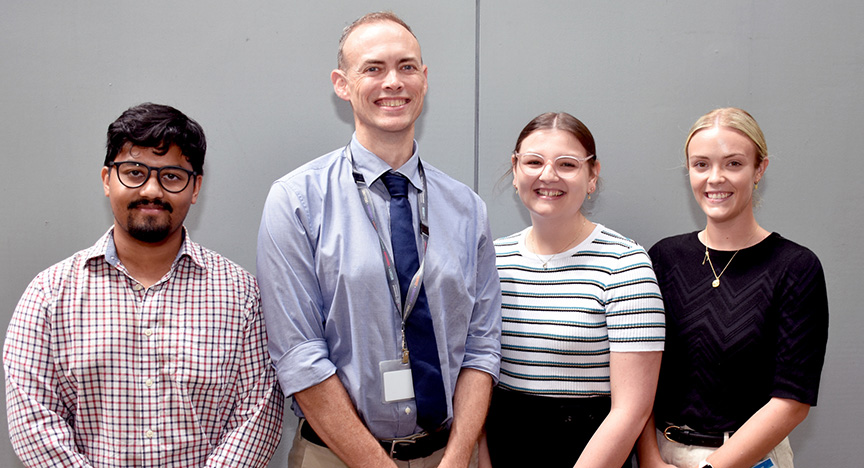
{"x": 304, "y": 366}
{"x": 483, "y": 354}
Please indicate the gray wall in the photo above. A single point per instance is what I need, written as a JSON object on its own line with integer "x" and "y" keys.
{"x": 255, "y": 75}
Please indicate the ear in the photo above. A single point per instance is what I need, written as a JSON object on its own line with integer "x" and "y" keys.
{"x": 595, "y": 174}
{"x": 340, "y": 84}
{"x": 760, "y": 170}
{"x": 106, "y": 178}
{"x": 196, "y": 188}
{"x": 425, "y": 79}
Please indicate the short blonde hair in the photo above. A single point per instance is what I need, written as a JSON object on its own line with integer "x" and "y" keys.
{"x": 734, "y": 118}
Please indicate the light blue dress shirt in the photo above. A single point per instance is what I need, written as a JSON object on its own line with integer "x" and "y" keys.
{"x": 325, "y": 296}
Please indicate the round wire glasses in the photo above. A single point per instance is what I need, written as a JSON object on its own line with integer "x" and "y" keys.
{"x": 566, "y": 166}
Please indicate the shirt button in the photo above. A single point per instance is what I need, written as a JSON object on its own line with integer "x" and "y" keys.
{"x": 148, "y": 332}
{"x": 407, "y": 410}
{"x": 148, "y": 382}
{"x": 149, "y": 434}
{"x": 137, "y": 287}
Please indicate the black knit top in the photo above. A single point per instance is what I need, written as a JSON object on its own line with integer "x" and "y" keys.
{"x": 762, "y": 333}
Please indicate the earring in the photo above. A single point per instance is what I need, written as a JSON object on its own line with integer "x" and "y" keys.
{"x": 755, "y": 185}
{"x": 589, "y": 195}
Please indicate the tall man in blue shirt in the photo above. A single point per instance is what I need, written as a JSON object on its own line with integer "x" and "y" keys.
{"x": 340, "y": 324}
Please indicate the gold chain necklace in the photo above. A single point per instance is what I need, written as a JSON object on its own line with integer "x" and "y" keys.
{"x": 552, "y": 257}
{"x": 716, "y": 281}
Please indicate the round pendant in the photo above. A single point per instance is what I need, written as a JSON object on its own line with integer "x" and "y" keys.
{"x": 715, "y": 283}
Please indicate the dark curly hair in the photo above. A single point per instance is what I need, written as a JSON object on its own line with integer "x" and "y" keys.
{"x": 157, "y": 126}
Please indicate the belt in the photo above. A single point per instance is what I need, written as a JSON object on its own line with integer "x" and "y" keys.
{"x": 689, "y": 437}
{"x": 412, "y": 447}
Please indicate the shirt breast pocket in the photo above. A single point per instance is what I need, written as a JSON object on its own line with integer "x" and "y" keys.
{"x": 203, "y": 357}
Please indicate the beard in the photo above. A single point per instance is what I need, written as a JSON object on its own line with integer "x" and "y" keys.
{"x": 149, "y": 229}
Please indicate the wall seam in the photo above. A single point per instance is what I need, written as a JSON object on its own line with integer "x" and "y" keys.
{"x": 477, "y": 96}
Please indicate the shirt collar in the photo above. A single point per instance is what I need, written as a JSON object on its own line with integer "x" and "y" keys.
{"x": 105, "y": 247}
{"x": 372, "y": 167}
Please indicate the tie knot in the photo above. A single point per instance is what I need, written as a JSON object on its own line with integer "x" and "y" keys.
{"x": 396, "y": 184}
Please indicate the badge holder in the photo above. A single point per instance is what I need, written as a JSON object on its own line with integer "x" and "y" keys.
{"x": 396, "y": 375}
{"x": 398, "y": 384}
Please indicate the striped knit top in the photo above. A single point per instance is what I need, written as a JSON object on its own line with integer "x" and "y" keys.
{"x": 561, "y": 322}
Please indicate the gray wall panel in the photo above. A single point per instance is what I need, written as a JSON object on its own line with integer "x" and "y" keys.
{"x": 256, "y": 76}
{"x": 639, "y": 73}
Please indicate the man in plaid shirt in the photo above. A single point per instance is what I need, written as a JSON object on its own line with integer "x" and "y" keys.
{"x": 145, "y": 349}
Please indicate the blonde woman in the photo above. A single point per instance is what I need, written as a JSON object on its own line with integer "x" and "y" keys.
{"x": 746, "y": 314}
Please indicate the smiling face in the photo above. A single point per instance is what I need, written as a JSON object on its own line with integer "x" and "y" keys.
{"x": 149, "y": 213}
{"x": 723, "y": 168}
{"x": 548, "y": 197}
{"x": 384, "y": 79}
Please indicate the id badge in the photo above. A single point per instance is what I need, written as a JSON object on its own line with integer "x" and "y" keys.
{"x": 397, "y": 382}
{"x": 766, "y": 463}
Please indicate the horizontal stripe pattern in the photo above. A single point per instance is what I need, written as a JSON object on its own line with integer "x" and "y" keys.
{"x": 560, "y": 323}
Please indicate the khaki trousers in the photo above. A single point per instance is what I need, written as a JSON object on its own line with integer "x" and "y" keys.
{"x": 305, "y": 454}
{"x": 690, "y": 455}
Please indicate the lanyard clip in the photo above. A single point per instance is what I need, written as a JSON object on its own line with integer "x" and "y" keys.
{"x": 404, "y": 347}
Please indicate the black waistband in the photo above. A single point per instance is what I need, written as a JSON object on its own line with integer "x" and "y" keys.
{"x": 684, "y": 436}
{"x": 412, "y": 447}
{"x": 527, "y": 400}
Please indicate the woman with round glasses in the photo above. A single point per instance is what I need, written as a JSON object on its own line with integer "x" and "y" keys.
{"x": 582, "y": 316}
{"x": 746, "y": 314}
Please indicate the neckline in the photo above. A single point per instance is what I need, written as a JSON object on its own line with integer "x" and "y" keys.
{"x": 527, "y": 253}
{"x": 702, "y": 246}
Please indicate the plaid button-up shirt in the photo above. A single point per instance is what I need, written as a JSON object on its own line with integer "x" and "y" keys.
{"x": 103, "y": 372}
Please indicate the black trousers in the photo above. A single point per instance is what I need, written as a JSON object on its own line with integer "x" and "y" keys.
{"x": 526, "y": 430}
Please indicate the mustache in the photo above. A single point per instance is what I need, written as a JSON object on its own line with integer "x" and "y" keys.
{"x": 157, "y": 202}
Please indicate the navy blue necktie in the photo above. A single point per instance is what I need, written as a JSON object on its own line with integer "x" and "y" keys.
{"x": 419, "y": 333}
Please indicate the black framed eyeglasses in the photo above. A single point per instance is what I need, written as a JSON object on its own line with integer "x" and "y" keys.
{"x": 133, "y": 174}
